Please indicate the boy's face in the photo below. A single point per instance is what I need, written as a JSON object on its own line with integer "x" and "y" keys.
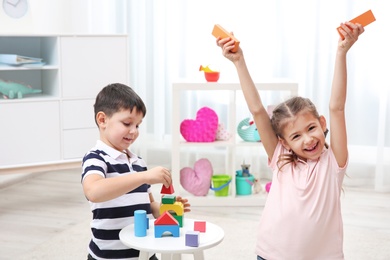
{"x": 305, "y": 135}
{"x": 121, "y": 129}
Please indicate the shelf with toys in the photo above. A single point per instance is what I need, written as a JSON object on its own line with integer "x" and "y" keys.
{"x": 50, "y": 82}
{"x": 228, "y": 152}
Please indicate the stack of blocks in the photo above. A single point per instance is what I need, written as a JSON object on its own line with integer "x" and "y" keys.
{"x": 171, "y": 214}
{"x": 170, "y": 220}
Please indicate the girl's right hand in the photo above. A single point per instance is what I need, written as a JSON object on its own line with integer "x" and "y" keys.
{"x": 227, "y": 44}
{"x": 159, "y": 174}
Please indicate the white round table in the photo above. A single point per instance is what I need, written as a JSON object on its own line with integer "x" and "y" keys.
{"x": 172, "y": 247}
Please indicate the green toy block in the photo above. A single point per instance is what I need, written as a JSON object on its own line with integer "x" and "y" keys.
{"x": 178, "y": 218}
{"x": 168, "y": 199}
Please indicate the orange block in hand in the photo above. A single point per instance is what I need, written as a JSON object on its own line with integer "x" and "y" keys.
{"x": 218, "y": 31}
{"x": 363, "y": 19}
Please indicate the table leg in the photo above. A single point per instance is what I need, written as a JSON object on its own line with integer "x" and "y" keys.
{"x": 199, "y": 255}
{"x": 143, "y": 255}
{"x": 170, "y": 256}
{"x": 176, "y": 256}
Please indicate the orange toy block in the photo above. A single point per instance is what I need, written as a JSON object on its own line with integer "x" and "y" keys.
{"x": 218, "y": 31}
{"x": 169, "y": 190}
{"x": 363, "y": 19}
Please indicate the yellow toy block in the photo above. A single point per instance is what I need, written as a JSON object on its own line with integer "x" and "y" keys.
{"x": 176, "y": 207}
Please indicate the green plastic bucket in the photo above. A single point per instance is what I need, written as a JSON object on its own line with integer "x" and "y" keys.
{"x": 244, "y": 185}
{"x": 220, "y": 184}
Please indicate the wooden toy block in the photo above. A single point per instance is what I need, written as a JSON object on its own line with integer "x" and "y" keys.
{"x": 200, "y": 226}
{"x": 160, "y": 230}
{"x": 363, "y": 19}
{"x": 166, "y": 219}
{"x": 177, "y": 207}
{"x": 168, "y": 199}
{"x": 218, "y": 31}
{"x": 141, "y": 223}
{"x": 192, "y": 238}
{"x": 169, "y": 190}
{"x": 178, "y": 218}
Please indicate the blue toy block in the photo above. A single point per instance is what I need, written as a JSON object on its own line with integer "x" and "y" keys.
{"x": 141, "y": 223}
{"x": 192, "y": 238}
{"x": 173, "y": 229}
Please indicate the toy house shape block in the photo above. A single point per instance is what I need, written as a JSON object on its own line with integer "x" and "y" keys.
{"x": 169, "y": 190}
{"x": 177, "y": 209}
{"x": 200, "y": 226}
{"x": 166, "y": 223}
{"x": 192, "y": 238}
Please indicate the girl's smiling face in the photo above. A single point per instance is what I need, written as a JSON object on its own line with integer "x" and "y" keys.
{"x": 304, "y": 135}
{"x": 121, "y": 129}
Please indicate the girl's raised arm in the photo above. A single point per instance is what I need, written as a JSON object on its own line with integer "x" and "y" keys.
{"x": 338, "y": 132}
{"x": 252, "y": 97}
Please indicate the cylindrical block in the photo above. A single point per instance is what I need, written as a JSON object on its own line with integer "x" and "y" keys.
{"x": 140, "y": 223}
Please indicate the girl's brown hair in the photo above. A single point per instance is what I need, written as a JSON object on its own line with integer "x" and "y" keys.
{"x": 281, "y": 116}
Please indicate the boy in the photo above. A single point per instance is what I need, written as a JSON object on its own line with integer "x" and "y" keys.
{"x": 115, "y": 181}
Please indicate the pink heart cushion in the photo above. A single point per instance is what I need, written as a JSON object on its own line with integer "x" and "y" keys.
{"x": 203, "y": 128}
{"x": 197, "y": 181}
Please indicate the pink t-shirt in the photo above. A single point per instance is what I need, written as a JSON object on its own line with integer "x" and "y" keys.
{"x": 302, "y": 216}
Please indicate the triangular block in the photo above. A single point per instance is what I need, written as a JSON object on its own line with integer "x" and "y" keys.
{"x": 166, "y": 219}
{"x": 169, "y": 190}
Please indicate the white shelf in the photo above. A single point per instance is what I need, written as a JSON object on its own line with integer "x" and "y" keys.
{"x": 56, "y": 126}
{"x": 230, "y": 147}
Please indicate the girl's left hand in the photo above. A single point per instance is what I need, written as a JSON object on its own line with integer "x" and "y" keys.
{"x": 351, "y": 32}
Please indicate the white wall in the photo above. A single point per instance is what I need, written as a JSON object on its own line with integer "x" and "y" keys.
{"x": 66, "y": 17}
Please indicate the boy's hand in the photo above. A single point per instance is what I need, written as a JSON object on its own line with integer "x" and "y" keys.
{"x": 159, "y": 175}
{"x": 185, "y": 203}
{"x": 351, "y": 32}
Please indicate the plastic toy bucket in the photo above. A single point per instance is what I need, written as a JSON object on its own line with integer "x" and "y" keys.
{"x": 244, "y": 185}
{"x": 220, "y": 184}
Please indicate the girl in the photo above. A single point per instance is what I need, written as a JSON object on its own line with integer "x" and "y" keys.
{"x": 302, "y": 216}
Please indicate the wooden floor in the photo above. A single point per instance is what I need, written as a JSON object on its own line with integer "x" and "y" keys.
{"x": 38, "y": 208}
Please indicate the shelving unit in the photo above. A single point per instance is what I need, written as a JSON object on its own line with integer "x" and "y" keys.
{"x": 56, "y": 127}
{"x": 184, "y": 154}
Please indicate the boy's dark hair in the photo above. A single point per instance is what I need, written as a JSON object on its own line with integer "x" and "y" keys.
{"x": 115, "y": 97}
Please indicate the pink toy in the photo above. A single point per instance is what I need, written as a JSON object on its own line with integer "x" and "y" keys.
{"x": 203, "y": 128}
{"x": 197, "y": 180}
{"x": 268, "y": 186}
{"x": 200, "y": 226}
{"x": 222, "y": 133}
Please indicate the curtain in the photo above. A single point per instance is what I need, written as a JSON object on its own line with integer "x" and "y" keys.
{"x": 169, "y": 40}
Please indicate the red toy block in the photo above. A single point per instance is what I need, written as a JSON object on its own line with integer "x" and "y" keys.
{"x": 200, "y": 226}
{"x": 218, "y": 31}
{"x": 363, "y": 19}
{"x": 169, "y": 190}
{"x": 166, "y": 219}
